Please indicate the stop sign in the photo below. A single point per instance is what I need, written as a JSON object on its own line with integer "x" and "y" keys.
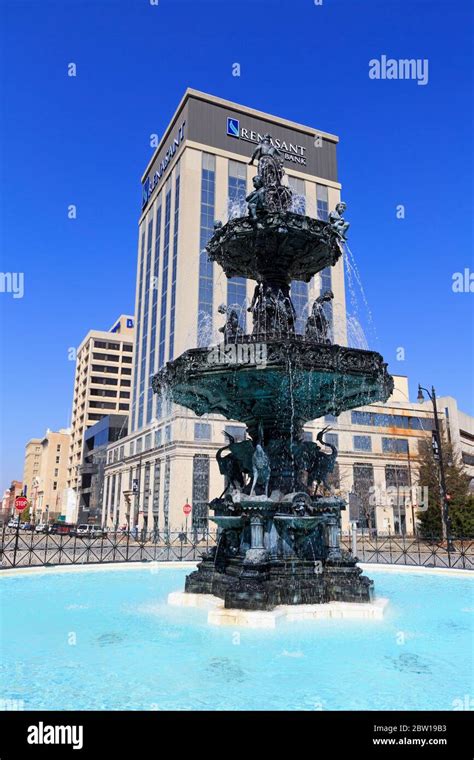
{"x": 187, "y": 509}
{"x": 21, "y": 503}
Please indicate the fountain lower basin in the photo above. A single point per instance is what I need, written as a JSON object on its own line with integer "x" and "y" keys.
{"x": 286, "y": 380}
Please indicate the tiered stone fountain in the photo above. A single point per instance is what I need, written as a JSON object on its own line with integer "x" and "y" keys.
{"x": 279, "y": 523}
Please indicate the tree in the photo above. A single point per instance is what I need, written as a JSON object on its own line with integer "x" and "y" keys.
{"x": 24, "y": 515}
{"x": 461, "y": 502}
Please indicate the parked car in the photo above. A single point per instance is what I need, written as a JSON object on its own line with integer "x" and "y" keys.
{"x": 81, "y": 530}
{"x": 89, "y": 531}
{"x": 61, "y": 528}
{"x": 41, "y": 528}
{"x": 13, "y": 522}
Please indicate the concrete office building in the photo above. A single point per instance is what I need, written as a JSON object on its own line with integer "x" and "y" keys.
{"x": 459, "y": 428}
{"x": 102, "y": 386}
{"x": 46, "y": 495}
{"x": 200, "y": 172}
{"x": 32, "y": 464}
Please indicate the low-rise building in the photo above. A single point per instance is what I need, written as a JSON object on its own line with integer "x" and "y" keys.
{"x": 108, "y": 430}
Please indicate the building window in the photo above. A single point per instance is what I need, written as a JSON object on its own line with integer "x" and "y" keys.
{"x": 154, "y": 308}
{"x": 362, "y": 443}
{"x": 392, "y": 420}
{"x": 326, "y": 284}
{"x": 144, "y": 319}
{"x": 139, "y": 445}
{"x": 394, "y": 445}
{"x": 322, "y": 206}
{"x": 112, "y": 496}
{"x": 334, "y": 477}
{"x": 107, "y": 489}
{"x": 397, "y": 479}
{"x": 200, "y": 491}
{"x": 168, "y": 434}
{"x": 146, "y": 491}
{"x": 164, "y": 277}
{"x": 58, "y": 447}
{"x": 155, "y": 504}
{"x": 55, "y": 485}
{"x": 57, "y": 460}
{"x": 307, "y": 435}
{"x": 396, "y": 476}
{"x": 361, "y": 508}
{"x": 236, "y": 431}
{"x": 236, "y": 206}
{"x": 175, "y": 263}
{"x": 141, "y": 264}
{"x": 147, "y": 442}
{"x": 119, "y": 496}
{"x": 299, "y": 197}
{"x": 331, "y": 439}
{"x": 166, "y": 494}
{"x": 206, "y": 267}
{"x": 299, "y": 290}
{"x": 202, "y": 431}
{"x": 157, "y": 438}
{"x": 56, "y": 472}
{"x": 361, "y": 418}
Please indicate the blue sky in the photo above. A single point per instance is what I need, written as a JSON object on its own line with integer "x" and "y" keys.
{"x": 85, "y": 141}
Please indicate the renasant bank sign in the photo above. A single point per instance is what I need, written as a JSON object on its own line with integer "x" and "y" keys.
{"x": 151, "y": 182}
{"x": 291, "y": 151}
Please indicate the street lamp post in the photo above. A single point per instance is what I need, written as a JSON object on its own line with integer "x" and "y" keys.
{"x": 443, "y": 492}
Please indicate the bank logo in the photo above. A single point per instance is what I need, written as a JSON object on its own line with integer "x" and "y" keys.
{"x": 233, "y": 127}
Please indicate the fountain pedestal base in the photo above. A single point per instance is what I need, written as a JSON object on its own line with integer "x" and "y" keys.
{"x": 265, "y": 585}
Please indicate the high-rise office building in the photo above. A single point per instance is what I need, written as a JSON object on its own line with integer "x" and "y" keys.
{"x": 199, "y": 173}
{"x": 102, "y": 386}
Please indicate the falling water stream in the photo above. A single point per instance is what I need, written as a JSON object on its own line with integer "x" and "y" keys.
{"x": 356, "y": 334}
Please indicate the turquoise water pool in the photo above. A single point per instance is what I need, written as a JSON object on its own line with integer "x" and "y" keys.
{"x": 108, "y": 641}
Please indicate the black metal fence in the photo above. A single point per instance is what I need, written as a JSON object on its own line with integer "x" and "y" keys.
{"x": 411, "y": 550}
{"x": 30, "y": 549}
